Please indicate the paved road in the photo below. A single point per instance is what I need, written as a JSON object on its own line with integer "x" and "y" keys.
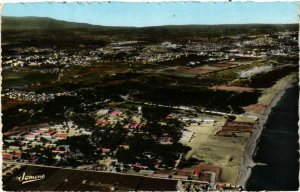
{"x": 67, "y": 168}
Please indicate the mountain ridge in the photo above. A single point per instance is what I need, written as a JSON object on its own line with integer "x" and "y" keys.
{"x": 48, "y": 23}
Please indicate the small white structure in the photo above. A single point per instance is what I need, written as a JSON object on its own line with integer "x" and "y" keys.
{"x": 208, "y": 121}
{"x": 44, "y": 129}
{"x": 185, "y": 119}
{"x": 197, "y": 119}
{"x": 186, "y": 136}
{"x": 102, "y": 112}
{"x": 14, "y": 148}
{"x": 29, "y": 137}
{"x": 15, "y": 137}
{"x": 48, "y": 137}
{"x": 140, "y": 110}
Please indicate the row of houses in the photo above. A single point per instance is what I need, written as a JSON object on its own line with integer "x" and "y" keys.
{"x": 35, "y": 97}
{"x": 45, "y": 137}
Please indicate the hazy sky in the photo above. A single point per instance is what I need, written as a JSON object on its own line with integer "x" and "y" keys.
{"x": 153, "y": 14}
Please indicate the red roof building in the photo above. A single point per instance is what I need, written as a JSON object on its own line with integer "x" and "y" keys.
{"x": 7, "y": 156}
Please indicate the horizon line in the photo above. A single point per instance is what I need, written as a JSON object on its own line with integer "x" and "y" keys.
{"x": 146, "y": 26}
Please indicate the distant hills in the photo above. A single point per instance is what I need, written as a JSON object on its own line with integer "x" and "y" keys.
{"x": 39, "y": 23}
{"x": 43, "y": 31}
{"x": 46, "y": 23}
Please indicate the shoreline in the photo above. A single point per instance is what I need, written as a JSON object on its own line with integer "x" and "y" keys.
{"x": 251, "y": 145}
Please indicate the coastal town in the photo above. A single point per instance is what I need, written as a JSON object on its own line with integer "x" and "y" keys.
{"x": 180, "y": 113}
{"x": 44, "y": 143}
{"x": 279, "y": 44}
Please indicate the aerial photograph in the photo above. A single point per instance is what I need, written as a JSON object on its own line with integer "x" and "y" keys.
{"x": 137, "y": 96}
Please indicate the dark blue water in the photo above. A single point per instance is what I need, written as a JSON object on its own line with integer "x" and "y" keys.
{"x": 278, "y": 147}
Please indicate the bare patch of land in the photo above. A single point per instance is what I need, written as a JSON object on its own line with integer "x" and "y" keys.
{"x": 232, "y": 88}
{"x": 226, "y": 152}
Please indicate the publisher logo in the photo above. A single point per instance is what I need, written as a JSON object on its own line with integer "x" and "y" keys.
{"x": 30, "y": 178}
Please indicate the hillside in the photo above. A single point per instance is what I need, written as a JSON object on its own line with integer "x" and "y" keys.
{"x": 42, "y": 31}
{"x": 39, "y": 23}
{"x": 45, "y": 23}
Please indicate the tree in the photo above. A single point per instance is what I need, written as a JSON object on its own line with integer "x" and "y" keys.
{"x": 81, "y": 143}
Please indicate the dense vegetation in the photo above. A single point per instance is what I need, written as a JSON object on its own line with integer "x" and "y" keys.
{"x": 268, "y": 79}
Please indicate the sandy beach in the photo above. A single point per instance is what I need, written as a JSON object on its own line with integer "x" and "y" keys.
{"x": 251, "y": 146}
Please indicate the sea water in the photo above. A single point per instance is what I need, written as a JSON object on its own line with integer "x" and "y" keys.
{"x": 278, "y": 147}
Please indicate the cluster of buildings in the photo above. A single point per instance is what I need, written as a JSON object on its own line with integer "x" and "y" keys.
{"x": 44, "y": 136}
{"x": 199, "y": 177}
{"x": 35, "y": 97}
{"x": 278, "y": 44}
{"x": 130, "y": 121}
{"x": 36, "y": 57}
